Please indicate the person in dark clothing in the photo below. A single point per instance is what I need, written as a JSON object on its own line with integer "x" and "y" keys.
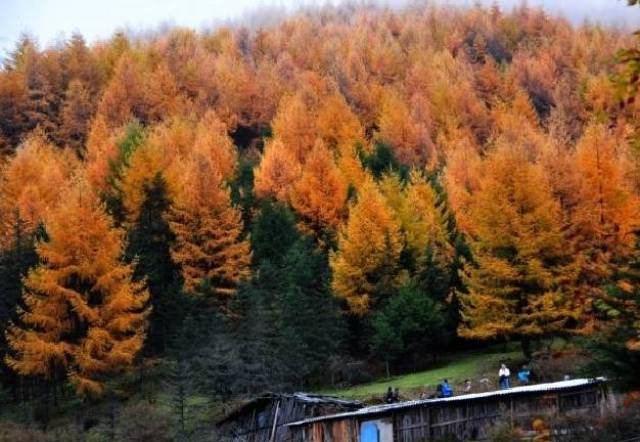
{"x": 388, "y": 397}
{"x": 396, "y": 395}
{"x": 439, "y": 391}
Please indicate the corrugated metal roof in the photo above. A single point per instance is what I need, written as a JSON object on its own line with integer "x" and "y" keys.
{"x": 319, "y": 399}
{"x": 378, "y": 409}
{"x": 309, "y": 398}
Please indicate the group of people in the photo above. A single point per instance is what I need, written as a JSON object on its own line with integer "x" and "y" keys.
{"x": 392, "y": 396}
{"x": 504, "y": 376}
{"x": 444, "y": 389}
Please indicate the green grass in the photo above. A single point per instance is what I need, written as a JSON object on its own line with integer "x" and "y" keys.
{"x": 474, "y": 366}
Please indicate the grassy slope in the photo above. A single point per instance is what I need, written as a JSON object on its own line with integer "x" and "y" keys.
{"x": 456, "y": 369}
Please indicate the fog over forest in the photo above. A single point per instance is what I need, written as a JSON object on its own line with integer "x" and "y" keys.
{"x": 50, "y": 21}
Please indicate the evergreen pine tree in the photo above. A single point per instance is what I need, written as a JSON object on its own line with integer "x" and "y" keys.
{"x": 312, "y": 330}
{"x": 15, "y": 262}
{"x": 411, "y": 324}
{"x": 289, "y": 320}
{"x": 382, "y": 160}
{"x": 150, "y": 240}
{"x": 180, "y": 382}
{"x": 616, "y": 344}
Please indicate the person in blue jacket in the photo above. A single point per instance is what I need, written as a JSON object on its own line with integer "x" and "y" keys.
{"x": 524, "y": 375}
{"x": 447, "y": 391}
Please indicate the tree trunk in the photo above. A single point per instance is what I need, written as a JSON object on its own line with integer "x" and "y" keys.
{"x": 386, "y": 366}
{"x": 45, "y": 416}
{"x": 80, "y": 417}
{"x": 526, "y": 347}
{"x": 112, "y": 420}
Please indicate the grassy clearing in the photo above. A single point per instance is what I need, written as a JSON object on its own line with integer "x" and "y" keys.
{"x": 474, "y": 365}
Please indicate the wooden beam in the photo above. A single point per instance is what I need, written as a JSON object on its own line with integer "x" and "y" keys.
{"x": 275, "y": 422}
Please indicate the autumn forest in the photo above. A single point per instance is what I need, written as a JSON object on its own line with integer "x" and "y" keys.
{"x": 346, "y": 195}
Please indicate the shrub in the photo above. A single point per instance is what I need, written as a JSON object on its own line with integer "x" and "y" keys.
{"x": 620, "y": 425}
{"x": 142, "y": 422}
{"x": 501, "y": 432}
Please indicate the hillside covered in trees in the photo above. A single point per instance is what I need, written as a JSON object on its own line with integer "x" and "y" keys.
{"x": 343, "y": 195}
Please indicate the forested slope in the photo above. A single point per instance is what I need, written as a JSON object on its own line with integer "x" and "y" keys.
{"x": 349, "y": 192}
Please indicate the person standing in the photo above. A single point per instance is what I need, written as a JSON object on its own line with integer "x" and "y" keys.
{"x": 504, "y": 376}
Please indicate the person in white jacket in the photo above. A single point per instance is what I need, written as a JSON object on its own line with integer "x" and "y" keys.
{"x": 504, "y": 376}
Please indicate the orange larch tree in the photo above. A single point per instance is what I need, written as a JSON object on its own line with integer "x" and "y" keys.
{"x": 517, "y": 284}
{"x": 102, "y": 151}
{"x": 366, "y": 263}
{"x": 461, "y": 178}
{"x": 606, "y": 214}
{"x": 161, "y": 96}
{"x": 424, "y": 221}
{"x": 209, "y": 245}
{"x": 338, "y": 125}
{"x": 82, "y": 316}
{"x": 277, "y": 172}
{"x": 320, "y": 194}
{"x": 211, "y": 139}
{"x": 295, "y": 125}
{"x": 123, "y": 97}
{"x": 408, "y": 138}
{"x": 165, "y": 145}
{"x": 76, "y": 115}
{"x": 31, "y": 182}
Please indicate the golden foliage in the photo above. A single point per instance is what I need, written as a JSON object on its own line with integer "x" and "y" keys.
{"x": 517, "y": 285}
{"x": 472, "y": 93}
{"x": 365, "y": 265}
{"x": 338, "y": 126}
{"x": 605, "y": 215}
{"x": 165, "y": 145}
{"x": 423, "y": 220}
{"x": 162, "y": 99}
{"x": 461, "y": 177}
{"x": 320, "y": 194}
{"x": 607, "y": 212}
{"x": 277, "y": 172}
{"x": 409, "y": 139}
{"x": 123, "y": 98}
{"x": 77, "y": 110}
{"x": 295, "y": 126}
{"x": 31, "y": 181}
{"x": 209, "y": 246}
{"x": 212, "y": 140}
{"x": 82, "y": 313}
{"x": 102, "y": 150}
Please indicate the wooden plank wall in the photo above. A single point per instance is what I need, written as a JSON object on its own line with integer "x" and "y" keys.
{"x": 468, "y": 420}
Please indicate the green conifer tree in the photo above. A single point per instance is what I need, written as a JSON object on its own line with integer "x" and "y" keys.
{"x": 150, "y": 239}
{"x": 15, "y": 262}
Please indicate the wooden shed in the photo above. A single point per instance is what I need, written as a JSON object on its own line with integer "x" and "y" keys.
{"x": 264, "y": 418}
{"x": 467, "y": 417}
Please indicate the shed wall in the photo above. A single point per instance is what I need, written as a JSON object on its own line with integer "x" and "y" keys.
{"x": 468, "y": 420}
